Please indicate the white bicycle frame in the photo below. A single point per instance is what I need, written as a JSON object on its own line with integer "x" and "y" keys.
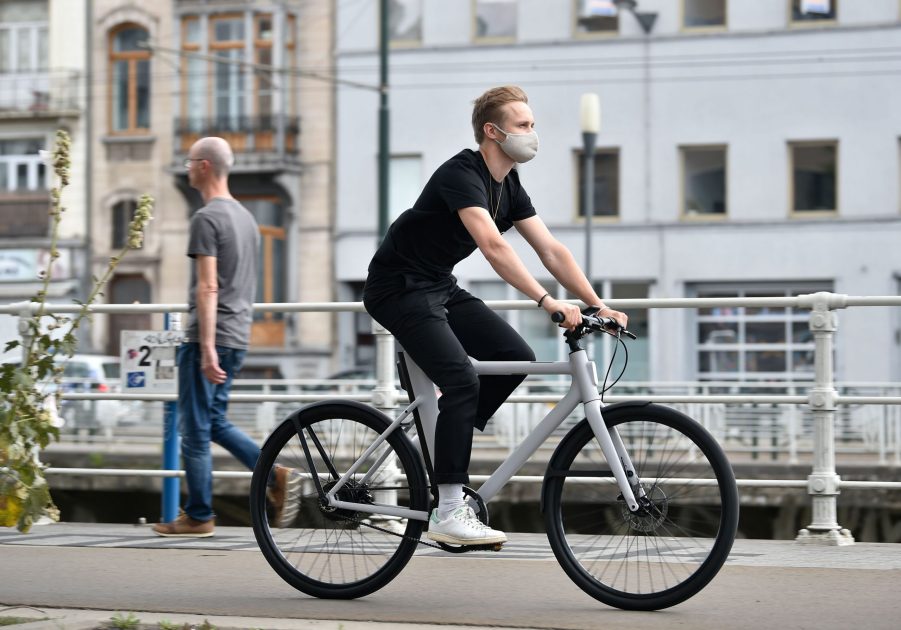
{"x": 583, "y": 389}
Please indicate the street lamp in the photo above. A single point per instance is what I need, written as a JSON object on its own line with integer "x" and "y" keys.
{"x": 590, "y": 118}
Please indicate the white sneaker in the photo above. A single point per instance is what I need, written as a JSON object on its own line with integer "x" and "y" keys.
{"x": 463, "y": 527}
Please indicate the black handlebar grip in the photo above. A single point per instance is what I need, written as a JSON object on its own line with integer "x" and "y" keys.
{"x": 558, "y": 317}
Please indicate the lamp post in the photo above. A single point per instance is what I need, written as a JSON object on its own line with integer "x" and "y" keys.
{"x": 591, "y": 124}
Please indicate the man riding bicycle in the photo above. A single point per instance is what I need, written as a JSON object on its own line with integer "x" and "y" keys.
{"x": 468, "y": 203}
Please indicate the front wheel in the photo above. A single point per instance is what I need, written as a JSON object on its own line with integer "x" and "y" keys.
{"x": 336, "y": 552}
{"x": 675, "y": 543}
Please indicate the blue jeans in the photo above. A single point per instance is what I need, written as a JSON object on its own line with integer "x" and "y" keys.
{"x": 201, "y": 419}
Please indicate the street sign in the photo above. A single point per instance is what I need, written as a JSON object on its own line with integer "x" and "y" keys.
{"x": 148, "y": 360}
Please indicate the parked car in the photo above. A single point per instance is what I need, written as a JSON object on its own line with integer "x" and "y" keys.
{"x": 90, "y": 373}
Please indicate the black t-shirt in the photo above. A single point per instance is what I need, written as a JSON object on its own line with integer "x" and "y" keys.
{"x": 426, "y": 241}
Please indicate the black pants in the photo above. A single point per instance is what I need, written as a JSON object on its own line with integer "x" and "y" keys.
{"x": 439, "y": 326}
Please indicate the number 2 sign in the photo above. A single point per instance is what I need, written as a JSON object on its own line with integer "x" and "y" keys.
{"x": 148, "y": 360}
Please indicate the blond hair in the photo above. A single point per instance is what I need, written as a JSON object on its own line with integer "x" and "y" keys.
{"x": 486, "y": 108}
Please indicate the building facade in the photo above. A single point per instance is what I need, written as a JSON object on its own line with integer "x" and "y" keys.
{"x": 169, "y": 73}
{"x": 746, "y": 149}
{"x": 43, "y": 81}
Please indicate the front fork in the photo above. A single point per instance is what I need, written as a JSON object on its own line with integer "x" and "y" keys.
{"x": 617, "y": 457}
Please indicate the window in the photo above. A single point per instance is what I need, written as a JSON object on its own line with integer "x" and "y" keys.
{"x": 123, "y": 212}
{"x": 495, "y": 20}
{"x": 23, "y": 36}
{"x": 404, "y": 183}
{"x": 215, "y": 93}
{"x": 21, "y": 168}
{"x": 703, "y": 13}
{"x": 596, "y": 17}
{"x": 747, "y": 343}
{"x": 704, "y": 181}
{"x": 814, "y": 166}
{"x": 405, "y": 21}
{"x": 813, "y": 11}
{"x": 227, "y": 43}
{"x": 129, "y": 80}
{"x": 606, "y": 183}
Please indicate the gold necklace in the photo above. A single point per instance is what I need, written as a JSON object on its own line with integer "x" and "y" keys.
{"x": 499, "y": 197}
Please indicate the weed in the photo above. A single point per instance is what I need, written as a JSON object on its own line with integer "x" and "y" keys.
{"x": 125, "y": 623}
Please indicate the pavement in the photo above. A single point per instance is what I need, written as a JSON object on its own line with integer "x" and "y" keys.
{"x": 80, "y": 576}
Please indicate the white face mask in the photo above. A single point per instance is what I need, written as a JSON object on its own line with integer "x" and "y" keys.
{"x": 521, "y": 147}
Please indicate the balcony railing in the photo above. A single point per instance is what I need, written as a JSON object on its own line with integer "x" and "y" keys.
{"x": 24, "y": 213}
{"x": 39, "y": 92}
{"x": 245, "y": 134}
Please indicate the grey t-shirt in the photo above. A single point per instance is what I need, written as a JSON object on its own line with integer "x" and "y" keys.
{"x": 227, "y": 230}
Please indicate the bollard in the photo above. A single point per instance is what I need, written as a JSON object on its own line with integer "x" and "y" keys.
{"x": 171, "y": 445}
{"x": 823, "y": 483}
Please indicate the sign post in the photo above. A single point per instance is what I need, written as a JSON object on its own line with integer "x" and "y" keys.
{"x": 149, "y": 366}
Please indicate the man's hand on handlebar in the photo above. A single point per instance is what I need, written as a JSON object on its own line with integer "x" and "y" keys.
{"x": 572, "y": 316}
{"x": 621, "y": 318}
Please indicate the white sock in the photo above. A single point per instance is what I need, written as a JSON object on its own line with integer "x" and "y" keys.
{"x": 450, "y": 497}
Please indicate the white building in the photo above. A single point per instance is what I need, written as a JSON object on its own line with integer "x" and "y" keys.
{"x": 42, "y": 89}
{"x": 747, "y": 148}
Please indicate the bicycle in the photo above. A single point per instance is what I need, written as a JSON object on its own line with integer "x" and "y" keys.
{"x": 640, "y": 502}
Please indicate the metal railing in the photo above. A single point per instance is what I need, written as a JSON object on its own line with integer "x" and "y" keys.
{"x": 822, "y": 400}
{"x": 39, "y": 92}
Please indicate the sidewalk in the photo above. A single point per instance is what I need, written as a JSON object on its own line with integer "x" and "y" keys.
{"x": 79, "y": 619}
{"x": 79, "y": 576}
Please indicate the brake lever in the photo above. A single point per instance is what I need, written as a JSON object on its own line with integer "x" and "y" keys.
{"x": 613, "y": 328}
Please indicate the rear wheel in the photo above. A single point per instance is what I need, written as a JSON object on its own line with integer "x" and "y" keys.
{"x": 673, "y": 546}
{"x": 338, "y": 553}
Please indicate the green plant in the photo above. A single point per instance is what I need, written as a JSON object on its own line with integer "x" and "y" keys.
{"x": 125, "y": 623}
{"x": 168, "y": 625}
{"x": 28, "y": 420}
{"x": 12, "y": 621}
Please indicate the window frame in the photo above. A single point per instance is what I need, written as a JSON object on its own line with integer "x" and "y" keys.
{"x": 684, "y": 215}
{"x": 33, "y": 163}
{"x": 793, "y": 23}
{"x": 577, "y": 34}
{"x": 713, "y": 28}
{"x": 577, "y": 185}
{"x": 132, "y": 58}
{"x": 493, "y": 39}
{"x": 33, "y": 28}
{"x": 792, "y": 211}
{"x": 789, "y": 317}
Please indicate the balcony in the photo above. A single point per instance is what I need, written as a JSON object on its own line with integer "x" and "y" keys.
{"x": 35, "y": 94}
{"x": 254, "y": 139}
{"x": 24, "y": 214}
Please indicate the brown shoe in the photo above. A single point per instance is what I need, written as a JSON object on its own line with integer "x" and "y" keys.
{"x": 284, "y": 496}
{"x": 185, "y": 527}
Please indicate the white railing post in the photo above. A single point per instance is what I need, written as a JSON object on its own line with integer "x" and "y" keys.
{"x": 384, "y": 398}
{"x": 823, "y": 483}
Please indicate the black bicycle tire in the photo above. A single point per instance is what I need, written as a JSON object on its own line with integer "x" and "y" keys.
{"x": 552, "y": 489}
{"x": 411, "y": 467}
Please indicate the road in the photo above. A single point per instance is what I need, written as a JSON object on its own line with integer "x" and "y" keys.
{"x": 765, "y": 584}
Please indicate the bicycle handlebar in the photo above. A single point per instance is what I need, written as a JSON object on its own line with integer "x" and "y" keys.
{"x": 596, "y": 323}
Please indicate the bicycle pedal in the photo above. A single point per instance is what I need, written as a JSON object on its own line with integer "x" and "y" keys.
{"x": 496, "y": 546}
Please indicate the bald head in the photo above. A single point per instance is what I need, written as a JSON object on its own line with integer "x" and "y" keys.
{"x": 217, "y": 152}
